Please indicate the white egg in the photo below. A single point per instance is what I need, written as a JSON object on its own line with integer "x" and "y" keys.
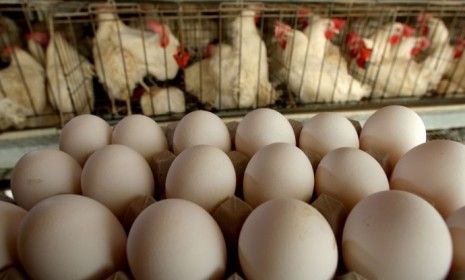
{"x": 262, "y": 127}
{"x": 202, "y": 174}
{"x": 391, "y": 132}
{"x": 176, "y": 239}
{"x": 456, "y": 224}
{"x": 44, "y": 173}
{"x": 326, "y": 132}
{"x": 115, "y": 175}
{"x": 142, "y": 134}
{"x": 201, "y": 128}
{"x": 434, "y": 171}
{"x": 11, "y": 217}
{"x": 71, "y": 237}
{"x": 287, "y": 239}
{"x": 83, "y": 135}
{"x": 396, "y": 235}
{"x": 279, "y": 170}
{"x": 349, "y": 175}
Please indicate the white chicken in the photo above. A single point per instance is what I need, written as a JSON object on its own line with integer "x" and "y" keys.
{"x": 36, "y": 44}
{"x": 12, "y": 114}
{"x": 236, "y": 74}
{"x": 23, "y": 81}
{"x": 403, "y": 77}
{"x": 123, "y": 55}
{"x": 307, "y": 78}
{"x": 161, "y": 101}
{"x": 69, "y": 75}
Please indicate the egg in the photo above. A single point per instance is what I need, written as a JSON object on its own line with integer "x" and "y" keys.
{"x": 83, "y": 135}
{"x": 201, "y": 174}
{"x": 396, "y": 235}
{"x": 287, "y": 239}
{"x": 456, "y": 224}
{"x": 326, "y": 132}
{"x": 349, "y": 175}
{"x": 11, "y": 217}
{"x": 279, "y": 170}
{"x": 44, "y": 173}
{"x": 262, "y": 127}
{"x": 391, "y": 132}
{"x": 115, "y": 175}
{"x": 140, "y": 133}
{"x": 176, "y": 239}
{"x": 201, "y": 128}
{"x": 71, "y": 237}
{"x": 434, "y": 171}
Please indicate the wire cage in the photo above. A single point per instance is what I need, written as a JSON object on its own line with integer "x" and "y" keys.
{"x": 164, "y": 59}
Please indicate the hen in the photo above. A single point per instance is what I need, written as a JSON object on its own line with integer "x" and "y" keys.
{"x": 23, "y": 81}
{"x": 307, "y": 78}
{"x": 69, "y": 75}
{"x": 123, "y": 55}
{"x": 236, "y": 75}
{"x": 161, "y": 101}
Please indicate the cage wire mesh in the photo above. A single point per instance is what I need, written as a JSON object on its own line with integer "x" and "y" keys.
{"x": 163, "y": 59}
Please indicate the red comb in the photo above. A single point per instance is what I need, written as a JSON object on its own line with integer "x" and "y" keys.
{"x": 182, "y": 57}
{"x": 338, "y": 23}
{"x": 424, "y": 43}
{"x": 40, "y": 37}
{"x": 422, "y": 17}
{"x": 160, "y": 29}
{"x": 394, "y": 39}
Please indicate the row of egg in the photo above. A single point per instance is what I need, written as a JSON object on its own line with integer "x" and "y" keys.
{"x": 281, "y": 237}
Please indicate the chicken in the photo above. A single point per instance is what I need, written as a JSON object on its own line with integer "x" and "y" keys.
{"x": 10, "y": 34}
{"x": 37, "y": 42}
{"x": 69, "y": 75}
{"x": 454, "y": 77}
{"x": 236, "y": 75}
{"x": 405, "y": 77}
{"x": 23, "y": 81}
{"x": 123, "y": 55}
{"x": 161, "y": 101}
{"x": 391, "y": 41}
{"x": 12, "y": 114}
{"x": 307, "y": 78}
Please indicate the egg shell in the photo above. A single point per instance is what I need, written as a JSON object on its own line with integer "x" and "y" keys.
{"x": 201, "y": 128}
{"x": 115, "y": 175}
{"x": 456, "y": 224}
{"x": 349, "y": 175}
{"x": 71, "y": 237}
{"x": 287, "y": 239}
{"x": 83, "y": 135}
{"x": 279, "y": 170}
{"x": 262, "y": 127}
{"x": 326, "y": 132}
{"x": 391, "y": 132}
{"x": 176, "y": 239}
{"x": 11, "y": 217}
{"x": 140, "y": 133}
{"x": 44, "y": 173}
{"x": 396, "y": 235}
{"x": 201, "y": 174}
{"x": 434, "y": 171}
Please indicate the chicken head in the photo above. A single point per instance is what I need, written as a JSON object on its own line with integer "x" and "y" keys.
{"x": 400, "y": 30}
{"x": 335, "y": 26}
{"x": 159, "y": 29}
{"x": 182, "y": 57}
{"x": 280, "y": 32}
{"x": 302, "y": 16}
{"x": 42, "y": 38}
{"x": 421, "y": 44}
